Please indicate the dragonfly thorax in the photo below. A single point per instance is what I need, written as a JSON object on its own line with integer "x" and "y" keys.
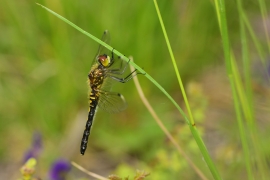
{"x": 96, "y": 77}
{"x": 105, "y": 60}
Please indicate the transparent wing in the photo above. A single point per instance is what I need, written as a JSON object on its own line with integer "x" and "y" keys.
{"x": 118, "y": 69}
{"x": 101, "y": 49}
{"x": 111, "y": 102}
{"x": 107, "y": 84}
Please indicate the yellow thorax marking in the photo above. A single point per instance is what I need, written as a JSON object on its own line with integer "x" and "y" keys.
{"x": 106, "y": 62}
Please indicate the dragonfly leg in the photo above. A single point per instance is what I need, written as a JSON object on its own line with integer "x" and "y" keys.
{"x": 119, "y": 70}
{"x": 126, "y": 79}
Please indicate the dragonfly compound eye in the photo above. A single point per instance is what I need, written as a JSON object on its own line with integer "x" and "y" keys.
{"x": 105, "y": 60}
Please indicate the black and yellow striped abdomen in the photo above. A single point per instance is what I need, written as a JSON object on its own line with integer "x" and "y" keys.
{"x": 96, "y": 77}
{"x": 93, "y": 98}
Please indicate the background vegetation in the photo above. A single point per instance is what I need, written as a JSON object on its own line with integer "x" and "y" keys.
{"x": 43, "y": 71}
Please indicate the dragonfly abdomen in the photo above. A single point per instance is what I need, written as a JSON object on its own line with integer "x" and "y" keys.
{"x": 92, "y": 109}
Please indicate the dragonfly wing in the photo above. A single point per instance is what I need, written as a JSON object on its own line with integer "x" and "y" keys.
{"x": 107, "y": 84}
{"x": 111, "y": 102}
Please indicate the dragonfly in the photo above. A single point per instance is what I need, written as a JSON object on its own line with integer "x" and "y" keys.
{"x": 105, "y": 70}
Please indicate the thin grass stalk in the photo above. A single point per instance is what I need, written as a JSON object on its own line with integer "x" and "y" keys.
{"x": 257, "y": 45}
{"x": 94, "y": 175}
{"x": 221, "y": 14}
{"x": 246, "y": 66}
{"x": 254, "y": 38}
{"x": 245, "y": 55}
{"x": 264, "y": 18}
{"x": 192, "y": 125}
{"x": 257, "y": 144}
{"x": 242, "y": 131}
{"x": 174, "y": 64}
{"x": 162, "y": 127}
{"x": 227, "y": 53}
{"x": 251, "y": 124}
{"x": 242, "y": 95}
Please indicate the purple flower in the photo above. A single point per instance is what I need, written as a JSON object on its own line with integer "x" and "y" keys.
{"x": 59, "y": 169}
{"x": 35, "y": 148}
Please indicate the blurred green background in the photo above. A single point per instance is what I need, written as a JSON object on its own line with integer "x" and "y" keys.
{"x": 44, "y": 65}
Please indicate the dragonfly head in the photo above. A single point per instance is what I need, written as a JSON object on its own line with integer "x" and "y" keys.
{"x": 105, "y": 60}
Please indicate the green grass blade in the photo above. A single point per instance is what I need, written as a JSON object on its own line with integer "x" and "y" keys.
{"x": 204, "y": 152}
{"x": 234, "y": 73}
{"x": 192, "y": 126}
{"x": 264, "y": 17}
{"x": 256, "y": 43}
{"x": 174, "y": 63}
{"x": 122, "y": 56}
{"x": 251, "y": 124}
{"x": 254, "y": 38}
{"x": 242, "y": 131}
{"x": 246, "y": 66}
{"x": 221, "y": 14}
{"x": 93, "y": 37}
